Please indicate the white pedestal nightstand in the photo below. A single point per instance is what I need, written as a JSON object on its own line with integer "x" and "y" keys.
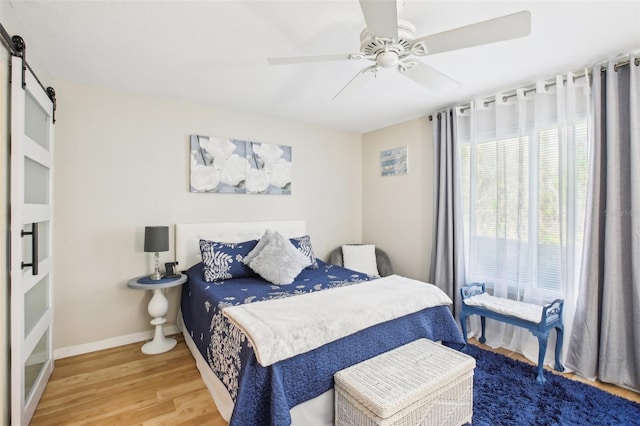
{"x": 158, "y": 308}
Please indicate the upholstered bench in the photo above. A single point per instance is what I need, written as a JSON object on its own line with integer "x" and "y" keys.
{"x": 539, "y": 320}
{"x": 421, "y": 383}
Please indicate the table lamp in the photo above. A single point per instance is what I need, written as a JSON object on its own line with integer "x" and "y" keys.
{"x": 156, "y": 239}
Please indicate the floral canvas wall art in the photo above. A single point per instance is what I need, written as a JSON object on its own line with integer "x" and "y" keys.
{"x": 269, "y": 168}
{"x": 235, "y": 166}
{"x": 218, "y": 165}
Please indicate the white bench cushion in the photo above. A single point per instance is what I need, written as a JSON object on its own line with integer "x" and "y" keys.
{"x": 526, "y": 311}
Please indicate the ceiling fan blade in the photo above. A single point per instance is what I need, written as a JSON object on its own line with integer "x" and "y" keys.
{"x": 381, "y": 17}
{"x": 499, "y": 29}
{"x": 358, "y": 80}
{"x": 427, "y": 76}
{"x": 309, "y": 59}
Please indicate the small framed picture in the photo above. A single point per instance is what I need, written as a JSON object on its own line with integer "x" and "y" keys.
{"x": 394, "y": 161}
{"x": 171, "y": 270}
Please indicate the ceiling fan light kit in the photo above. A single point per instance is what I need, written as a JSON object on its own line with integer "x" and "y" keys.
{"x": 390, "y": 42}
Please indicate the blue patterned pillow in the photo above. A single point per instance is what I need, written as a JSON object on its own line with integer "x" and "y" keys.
{"x": 303, "y": 244}
{"x": 223, "y": 261}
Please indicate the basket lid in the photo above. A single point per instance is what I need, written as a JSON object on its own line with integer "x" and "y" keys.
{"x": 396, "y": 379}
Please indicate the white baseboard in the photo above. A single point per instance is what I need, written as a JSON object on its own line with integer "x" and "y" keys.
{"x": 110, "y": 343}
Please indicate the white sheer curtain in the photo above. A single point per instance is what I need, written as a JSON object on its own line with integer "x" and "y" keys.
{"x": 524, "y": 168}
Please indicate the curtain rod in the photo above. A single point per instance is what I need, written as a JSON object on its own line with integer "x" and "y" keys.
{"x": 547, "y": 85}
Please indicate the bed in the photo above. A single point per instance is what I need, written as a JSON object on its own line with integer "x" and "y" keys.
{"x": 299, "y": 388}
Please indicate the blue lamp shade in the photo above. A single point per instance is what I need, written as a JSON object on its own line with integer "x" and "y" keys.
{"x": 156, "y": 238}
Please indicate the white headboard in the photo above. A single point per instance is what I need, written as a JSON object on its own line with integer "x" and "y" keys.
{"x": 188, "y": 235}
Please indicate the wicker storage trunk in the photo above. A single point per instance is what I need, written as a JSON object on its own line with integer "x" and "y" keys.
{"x": 421, "y": 383}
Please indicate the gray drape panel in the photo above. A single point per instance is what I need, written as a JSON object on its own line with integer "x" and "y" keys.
{"x": 605, "y": 342}
{"x": 447, "y": 260}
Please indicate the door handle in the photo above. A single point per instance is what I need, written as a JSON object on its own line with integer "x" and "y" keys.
{"x": 34, "y": 248}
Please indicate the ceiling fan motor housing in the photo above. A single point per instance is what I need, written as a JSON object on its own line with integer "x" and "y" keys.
{"x": 371, "y": 45}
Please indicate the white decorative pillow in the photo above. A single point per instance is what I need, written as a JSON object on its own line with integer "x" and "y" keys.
{"x": 279, "y": 262}
{"x": 361, "y": 258}
{"x": 264, "y": 240}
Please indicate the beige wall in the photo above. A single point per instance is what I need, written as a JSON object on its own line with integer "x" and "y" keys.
{"x": 122, "y": 162}
{"x": 398, "y": 210}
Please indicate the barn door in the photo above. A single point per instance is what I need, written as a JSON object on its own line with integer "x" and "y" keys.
{"x": 31, "y": 228}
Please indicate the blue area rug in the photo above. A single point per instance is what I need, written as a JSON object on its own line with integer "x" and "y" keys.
{"x": 505, "y": 392}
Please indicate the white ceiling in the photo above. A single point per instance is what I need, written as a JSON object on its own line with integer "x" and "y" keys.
{"x": 214, "y": 52}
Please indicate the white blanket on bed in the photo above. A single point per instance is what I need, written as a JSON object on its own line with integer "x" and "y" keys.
{"x": 282, "y": 328}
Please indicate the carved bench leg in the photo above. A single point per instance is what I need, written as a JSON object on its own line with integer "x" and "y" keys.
{"x": 559, "y": 337}
{"x": 463, "y": 324}
{"x": 483, "y": 323}
{"x": 542, "y": 349}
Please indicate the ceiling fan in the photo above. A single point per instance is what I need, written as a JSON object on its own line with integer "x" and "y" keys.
{"x": 390, "y": 42}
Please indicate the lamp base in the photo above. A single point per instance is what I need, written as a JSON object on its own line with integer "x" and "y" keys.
{"x": 156, "y": 276}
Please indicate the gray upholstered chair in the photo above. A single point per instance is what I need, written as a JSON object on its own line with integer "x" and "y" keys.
{"x": 382, "y": 260}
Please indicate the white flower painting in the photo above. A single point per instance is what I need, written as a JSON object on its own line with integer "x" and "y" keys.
{"x": 270, "y": 168}
{"x": 234, "y": 166}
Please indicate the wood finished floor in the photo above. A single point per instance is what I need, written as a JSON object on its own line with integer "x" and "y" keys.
{"x": 122, "y": 386}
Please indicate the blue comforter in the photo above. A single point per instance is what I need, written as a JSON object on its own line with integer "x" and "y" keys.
{"x": 264, "y": 395}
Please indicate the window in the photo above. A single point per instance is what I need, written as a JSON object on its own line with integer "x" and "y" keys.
{"x": 523, "y": 202}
